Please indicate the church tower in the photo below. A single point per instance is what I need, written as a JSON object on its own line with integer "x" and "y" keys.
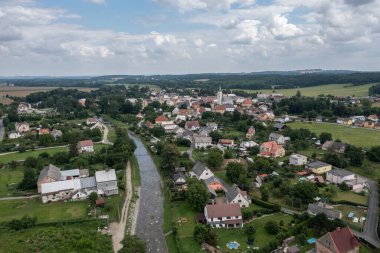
{"x": 219, "y": 96}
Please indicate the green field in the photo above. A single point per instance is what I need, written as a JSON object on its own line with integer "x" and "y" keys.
{"x": 330, "y": 89}
{"x": 360, "y": 137}
{"x": 352, "y": 197}
{"x": 9, "y": 178}
{"x": 22, "y": 156}
{"x": 15, "y": 209}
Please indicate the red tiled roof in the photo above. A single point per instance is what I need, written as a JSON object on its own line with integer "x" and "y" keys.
{"x": 161, "y": 118}
{"x": 226, "y": 141}
{"x": 344, "y": 239}
{"x": 192, "y": 124}
{"x": 86, "y": 143}
{"x": 223, "y": 210}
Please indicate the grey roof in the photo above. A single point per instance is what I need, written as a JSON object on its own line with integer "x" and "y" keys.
{"x": 340, "y": 172}
{"x": 178, "y": 176}
{"x": 279, "y": 125}
{"x": 198, "y": 168}
{"x": 212, "y": 179}
{"x": 232, "y": 192}
{"x": 319, "y": 207}
{"x": 275, "y": 135}
{"x": 317, "y": 164}
{"x": 84, "y": 172}
{"x": 69, "y": 173}
{"x": 202, "y": 139}
{"x": 88, "y": 182}
{"x": 50, "y": 171}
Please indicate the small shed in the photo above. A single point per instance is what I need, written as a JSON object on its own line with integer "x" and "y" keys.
{"x": 100, "y": 203}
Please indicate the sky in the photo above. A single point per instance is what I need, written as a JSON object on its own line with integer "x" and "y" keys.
{"x": 101, "y": 37}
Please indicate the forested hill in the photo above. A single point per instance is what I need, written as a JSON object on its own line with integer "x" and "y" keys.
{"x": 259, "y": 80}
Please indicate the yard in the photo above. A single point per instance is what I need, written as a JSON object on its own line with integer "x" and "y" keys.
{"x": 351, "y": 196}
{"x": 9, "y": 178}
{"x": 360, "y": 137}
{"x": 358, "y": 212}
{"x": 60, "y": 211}
{"x": 330, "y": 89}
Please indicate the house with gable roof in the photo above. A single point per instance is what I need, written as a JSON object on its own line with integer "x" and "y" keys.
{"x": 341, "y": 240}
{"x": 271, "y": 149}
{"x": 236, "y": 196}
{"x": 200, "y": 171}
{"x": 48, "y": 174}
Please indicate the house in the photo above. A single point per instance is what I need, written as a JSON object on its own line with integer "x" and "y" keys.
{"x": 88, "y": 184}
{"x": 161, "y": 119}
{"x": 224, "y": 216}
{"x": 338, "y": 176}
{"x": 236, "y": 196}
{"x": 86, "y": 146}
{"x": 293, "y": 249}
{"x": 82, "y": 102}
{"x": 149, "y": 124}
{"x": 91, "y": 121}
{"x": 179, "y": 178}
{"x": 192, "y": 125}
{"x": 60, "y": 190}
{"x": 358, "y": 118}
{"x": 318, "y": 167}
{"x": 212, "y": 125}
{"x": 69, "y": 174}
{"x": 373, "y": 118}
{"x": 344, "y": 121}
{"x": 106, "y": 181}
{"x": 319, "y": 119}
{"x": 202, "y": 142}
{"x": 271, "y": 149}
{"x": 48, "y": 174}
{"x": 334, "y": 146}
{"x": 97, "y": 125}
{"x": 248, "y": 144}
{"x": 56, "y": 133}
{"x": 22, "y": 127}
{"x": 214, "y": 183}
{"x": 341, "y": 240}
{"x": 169, "y": 128}
{"x": 42, "y": 131}
{"x": 279, "y": 126}
{"x": 279, "y": 138}
{"x": 13, "y": 135}
{"x": 247, "y": 103}
{"x": 200, "y": 171}
{"x": 250, "y": 133}
{"x": 319, "y": 207}
{"x": 229, "y": 107}
{"x": 297, "y": 159}
{"x": 220, "y": 109}
{"x": 226, "y": 143}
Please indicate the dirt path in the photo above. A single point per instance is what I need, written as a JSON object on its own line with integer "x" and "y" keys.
{"x": 118, "y": 229}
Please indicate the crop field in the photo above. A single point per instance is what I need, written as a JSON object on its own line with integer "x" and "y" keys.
{"x": 330, "y": 89}
{"x": 18, "y": 91}
{"x": 360, "y": 137}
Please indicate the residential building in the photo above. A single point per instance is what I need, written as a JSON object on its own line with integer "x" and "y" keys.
{"x": 334, "y": 146}
{"x": 318, "y": 167}
{"x": 319, "y": 207}
{"x": 106, "y": 181}
{"x": 236, "y": 196}
{"x": 60, "y": 190}
{"x": 280, "y": 126}
{"x": 13, "y": 135}
{"x": 212, "y": 125}
{"x": 271, "y": 149}
{"x": 48, "y": 174}
{"x": 91, "y": 121}
{"x": 297, "y": 159}
{"x": 42, "y": 131}
{"x": 250, "y": 133}
{"x": 341, "y": 240}
{"x": 248, "y": 144}
{"x": 161, "y": 119}
{"x": 179, "y": 178}
{"x": 214, "y": 183}
{"x": 226, "y": 143}
{"x": 56, "y": 133}
{"x": 202, "y": 142}
{"x": 86, "y": 146}
{"x": 338, "y": 176}
{"x": 200, "y": 171}
{"x": 192, "y": 125}
{"x": 88, "y": 184}
{"x": 22, "y": 127}
{"x": 224, "y": 216}
{"x": 279, "y": 138}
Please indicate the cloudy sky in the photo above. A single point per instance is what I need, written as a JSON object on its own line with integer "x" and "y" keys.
{"x": 96, "y": 37}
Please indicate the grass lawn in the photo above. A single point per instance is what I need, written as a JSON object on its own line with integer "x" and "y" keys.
{"x": 199, "y": 155}
{"x": 115, "y": 122}
{"x": 9, "y": 178}
{"x": 182, "y": 149}
{"x": 51, "y": 212}
{"x": 351, "y": 196}
{"x": 360, "y": 137}
{"x": 136, "y": 177}
{"x": 332, "y": 89}
{"x": 22, "y": 156}
{"x": 359, "y": 212}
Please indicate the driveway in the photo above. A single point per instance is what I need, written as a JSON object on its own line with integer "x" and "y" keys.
{"x": 151, "y": 209}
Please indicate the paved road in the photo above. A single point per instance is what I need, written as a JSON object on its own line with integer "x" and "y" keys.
{"x": 370, "y": 228}
{"x": 1, "y": 129}
{"x": 151, "y": 210}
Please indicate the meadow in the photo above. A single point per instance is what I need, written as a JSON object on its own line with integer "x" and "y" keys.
{"x": 360, "y": 137}
{"x": 20, "y": 91}
{"x": 330, "y": 89}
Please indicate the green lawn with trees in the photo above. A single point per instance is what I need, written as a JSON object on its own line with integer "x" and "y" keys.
{"x": 9, "y": 179}
{"x": 359, "y": 137}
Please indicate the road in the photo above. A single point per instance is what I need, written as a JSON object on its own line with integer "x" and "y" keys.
{"x": 1, "y": 129}
{"x": 370, "y": 228}
{"x": 21, "y": 197}
{"x": 117, "y": 229}
{"x": 151, "y": 209}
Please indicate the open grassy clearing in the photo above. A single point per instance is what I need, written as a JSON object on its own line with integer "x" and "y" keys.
{"x": 51, "y": 151}
{"x": 330, "y": 89}
{"x": 9, "y": 179}
{"x": 60, "y": 211}
{"x": 360, "y": 137}
{"x": 19, "y": 91}
{"x": 351, "y": 196}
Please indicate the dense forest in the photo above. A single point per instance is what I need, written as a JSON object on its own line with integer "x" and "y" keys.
{"x": 374, "y": 90}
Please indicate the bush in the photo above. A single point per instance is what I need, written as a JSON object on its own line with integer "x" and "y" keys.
{"x": 271, "y": 227}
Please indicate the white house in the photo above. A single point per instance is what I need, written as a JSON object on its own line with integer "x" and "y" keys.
{"x": 13, "y": 135}
{"x": 202, "y": 142}
{"x": 279, "y": 138}
{"x": 224, "y": 216}
{"x": 179, "y": 178}
{"x": 91, "y": 121}
{"x": 236, "y": 196}
{"x": 200, "y": 171}
{"x": 212, "y": 125}
{"x": 86, "y": 146}
{"x": 248, "y": 144}
{"x": 297, "y": 160}
{"x": 107, "y": 182}
{"x": 60, "y": 190}
{"x": 22, "y": 127}
{"x": 338, "y": 176}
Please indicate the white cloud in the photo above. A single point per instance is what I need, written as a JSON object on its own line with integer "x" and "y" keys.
{"x": 95, "y": 1}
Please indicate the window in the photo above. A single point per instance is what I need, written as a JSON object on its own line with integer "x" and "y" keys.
{"x": 239, "y": 200}
{"x": 228, "y": 217}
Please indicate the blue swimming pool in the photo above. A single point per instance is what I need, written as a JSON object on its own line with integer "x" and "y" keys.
{"x": 233, "y": 245}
